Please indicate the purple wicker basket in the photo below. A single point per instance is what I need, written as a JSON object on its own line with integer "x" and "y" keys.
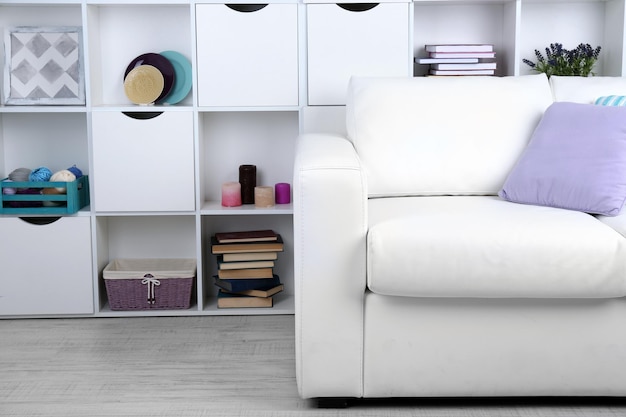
{"x": 149, "y": 284}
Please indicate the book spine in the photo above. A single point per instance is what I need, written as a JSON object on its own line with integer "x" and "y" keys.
{"x": 459, "y": 48}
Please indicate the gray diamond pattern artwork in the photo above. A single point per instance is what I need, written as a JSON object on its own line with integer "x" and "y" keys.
{"x": 43, "y": 66}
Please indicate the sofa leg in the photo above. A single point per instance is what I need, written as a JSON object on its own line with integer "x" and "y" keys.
{"x": 332, "y": 402}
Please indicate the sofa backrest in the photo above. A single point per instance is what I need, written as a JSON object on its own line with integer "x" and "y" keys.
{"x": 442, "y": 135}
{"x": 586, "y": 89}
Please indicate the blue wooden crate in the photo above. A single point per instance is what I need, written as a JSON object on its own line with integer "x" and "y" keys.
{"x": 75, "y": 198}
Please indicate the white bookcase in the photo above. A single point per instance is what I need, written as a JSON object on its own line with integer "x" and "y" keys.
{"x": 261, "y": 76}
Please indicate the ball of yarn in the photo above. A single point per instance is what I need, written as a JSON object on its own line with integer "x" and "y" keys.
{"x": 20, "y": 174}
{"x": 52, "y": 191}
{"x": 76, "y": 171}
{"x": 40, "y": 174}
{"x": 8, "y": 190}
{"x": 62, "y": 176}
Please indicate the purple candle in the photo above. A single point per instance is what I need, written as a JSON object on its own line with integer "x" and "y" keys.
{"x": 283, "y": 193}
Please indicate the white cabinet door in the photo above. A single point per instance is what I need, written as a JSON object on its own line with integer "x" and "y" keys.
{"x": 344, "y": 42}
{"x": 247, "y": 57}
{"x": 45, "y": 268}
{"x": 143, "y": 164}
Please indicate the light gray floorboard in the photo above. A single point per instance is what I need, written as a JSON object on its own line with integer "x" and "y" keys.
{"x": 192, "y": 367}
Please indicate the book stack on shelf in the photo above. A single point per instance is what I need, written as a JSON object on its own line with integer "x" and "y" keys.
{"x": 245, "y": 268}
{"x": 459, "y": 59}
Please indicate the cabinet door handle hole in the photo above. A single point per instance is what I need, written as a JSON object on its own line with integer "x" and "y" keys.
{"x": 246, "y": 8}
{"x": 357, "y": 7}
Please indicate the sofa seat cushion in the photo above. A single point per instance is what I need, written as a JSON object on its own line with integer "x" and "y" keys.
{"x": 483, "y": 246}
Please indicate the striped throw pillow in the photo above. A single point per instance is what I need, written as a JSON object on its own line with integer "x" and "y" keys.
{"x": 611, "y": 101}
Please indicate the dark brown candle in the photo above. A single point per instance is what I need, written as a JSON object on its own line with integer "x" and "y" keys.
{"x": 247, "y": 179}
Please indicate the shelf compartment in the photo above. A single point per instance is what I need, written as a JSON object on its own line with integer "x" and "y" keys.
{"x": 54, "y": 140}
{"x": 603, "y": 23}
{"x": 41, "y": 14}
{"x": 342, "y": 43}
{"x": 144, "y": 237}
{"x": 493, "y": 22}
{"x": 231, "y": 139}
{"x": 149, "y": 284}
{"x": 54, "y": 274}
{"x": 284, "y": 266}
{"x": 144, "y": 165}
{"x": 118, "y": 33}
{"x": 247, "y": 58}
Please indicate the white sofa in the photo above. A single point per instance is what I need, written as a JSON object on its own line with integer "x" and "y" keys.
{"x": 413, "y": 278}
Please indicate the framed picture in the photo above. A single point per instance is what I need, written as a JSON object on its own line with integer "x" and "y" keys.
{"x": 43, "y": 66}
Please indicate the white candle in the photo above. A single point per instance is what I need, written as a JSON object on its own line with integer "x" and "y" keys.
{"x": 263, "y": 196}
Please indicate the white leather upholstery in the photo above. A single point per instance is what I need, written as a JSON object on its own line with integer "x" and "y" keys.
{"x": 439, "y": 136}
{"x": 617, "y": 223}
{"x": 487, "y": 247}
{"x": 488, "y": 298}
{"x": 586, "y": 89}
{"x": 418, "y": 347}
{"x": 330, "y": 225}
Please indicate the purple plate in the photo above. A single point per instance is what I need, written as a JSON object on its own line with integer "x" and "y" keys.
{"x": 159, "y": 62}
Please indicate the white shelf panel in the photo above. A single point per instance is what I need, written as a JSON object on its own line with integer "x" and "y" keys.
{"x": 42, "y": 2}
{"x": 131, "y": 108}
{"x": 143, "y": 213}
{"x": 460, "y": 2}
{"x": 215, "y": 208}
{"x": 353, "y": 1}
{"x": 106, "y": 311}
{"x": 283, "y": 304}
{"x": 565, "y": 1}
{"x": 84, "y": 212}
{"x": 43, "y": 109}
{"x": 138, "y": 2}
{"x": 210, "y": 109}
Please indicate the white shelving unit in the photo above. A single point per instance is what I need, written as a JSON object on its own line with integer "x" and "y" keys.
{"x": 261, "y": 77}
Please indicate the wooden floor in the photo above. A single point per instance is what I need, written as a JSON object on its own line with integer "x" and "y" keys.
{"x": 192, "y": 367}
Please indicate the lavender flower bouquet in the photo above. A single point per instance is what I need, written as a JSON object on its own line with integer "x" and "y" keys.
{"x": 561, "y": 61}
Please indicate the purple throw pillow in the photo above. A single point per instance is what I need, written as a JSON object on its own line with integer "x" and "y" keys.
{"x": 576, "y": 160}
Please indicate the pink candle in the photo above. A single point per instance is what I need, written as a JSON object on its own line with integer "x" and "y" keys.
{"x": 283, "y": 193}
{"x": 231, "y": 194}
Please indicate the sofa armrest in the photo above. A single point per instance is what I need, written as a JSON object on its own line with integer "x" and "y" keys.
{"x": 330, "y": 227}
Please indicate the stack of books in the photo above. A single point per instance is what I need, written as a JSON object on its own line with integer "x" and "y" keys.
{"x": 245, "y": 268}
{"x": 459, "y": 59}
